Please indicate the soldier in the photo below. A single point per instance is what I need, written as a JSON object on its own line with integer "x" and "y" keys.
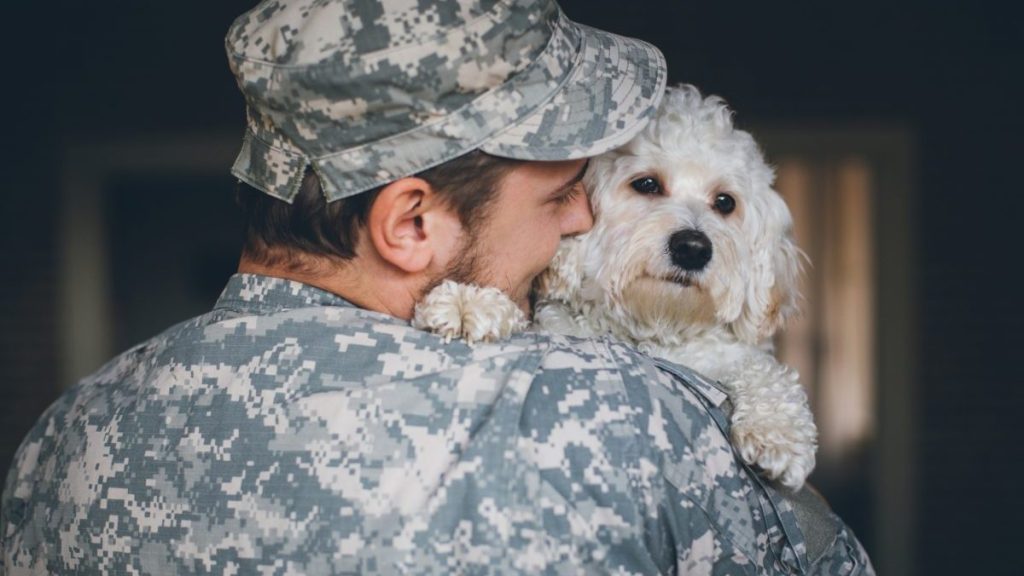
{"x": 303, "y": 427}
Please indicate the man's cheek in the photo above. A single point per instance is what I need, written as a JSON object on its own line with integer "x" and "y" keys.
{"x": 545, "y": 254}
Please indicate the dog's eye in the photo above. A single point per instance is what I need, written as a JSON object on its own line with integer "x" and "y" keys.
{"x": 646, "y": 185}
{"x": 724, "y": 204}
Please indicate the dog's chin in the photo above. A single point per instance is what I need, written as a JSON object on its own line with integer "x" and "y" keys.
{"x": 684, "y": 283}
{"x": 679, "y": 303}
{"x": 685, "y": 280}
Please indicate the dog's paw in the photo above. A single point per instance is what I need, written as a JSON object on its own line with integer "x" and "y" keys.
{"x": 785, "y": 451}
{"x": 469, "y": 312}
{"x": 772, "y": 424}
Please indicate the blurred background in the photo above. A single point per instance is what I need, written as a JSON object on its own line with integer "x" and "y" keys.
{"x": 895, "y": 129}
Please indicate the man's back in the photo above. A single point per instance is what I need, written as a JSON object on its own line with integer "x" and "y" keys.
{"x": 290, "y": 432}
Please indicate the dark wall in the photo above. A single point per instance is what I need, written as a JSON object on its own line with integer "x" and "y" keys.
{"x": 951, "y": 72}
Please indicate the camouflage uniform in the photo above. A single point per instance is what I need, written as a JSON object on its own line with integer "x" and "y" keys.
{"x": 290, "y": 432}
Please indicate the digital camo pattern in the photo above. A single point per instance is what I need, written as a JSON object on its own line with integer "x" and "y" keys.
{"x": 288, "y": 432}
{"x": 369, "y": 91}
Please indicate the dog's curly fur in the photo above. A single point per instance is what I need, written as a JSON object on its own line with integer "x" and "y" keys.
{"x": 716, "y": 316}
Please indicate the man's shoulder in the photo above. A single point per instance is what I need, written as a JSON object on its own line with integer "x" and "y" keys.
{"x": 636, "y": 406}
{"x": 596, "y": 360}
{"x": 355, "y": 340}
{"x": 367, "y": 345}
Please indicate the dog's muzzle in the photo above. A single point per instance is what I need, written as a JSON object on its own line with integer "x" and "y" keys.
{"x": 690, "y": 249}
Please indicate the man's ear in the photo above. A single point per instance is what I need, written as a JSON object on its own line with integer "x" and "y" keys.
{"x": 407, "y": 224}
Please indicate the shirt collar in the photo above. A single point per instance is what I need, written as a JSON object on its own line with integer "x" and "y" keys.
{"x": 253, "y": 293}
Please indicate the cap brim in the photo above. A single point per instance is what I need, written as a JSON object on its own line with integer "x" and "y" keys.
{"x": 608, "y": 98}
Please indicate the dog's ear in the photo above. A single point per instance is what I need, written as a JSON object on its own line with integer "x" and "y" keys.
{"x": 564, "y": 276}
{"x": 773, "y": 289}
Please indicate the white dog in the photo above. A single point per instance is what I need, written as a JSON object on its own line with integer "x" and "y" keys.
{"x": 690, "y": 259}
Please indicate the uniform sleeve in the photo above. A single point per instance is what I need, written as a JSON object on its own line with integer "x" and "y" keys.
{"x": 721, "y": 517}
{"x": 3, "y": 531}
{"x": 831, "y": 547}
{"x": 709, "y": 505}
{"x": 634, "y": 470}
{"x": 26, "y": 499}
{"x": 598, "y": 486}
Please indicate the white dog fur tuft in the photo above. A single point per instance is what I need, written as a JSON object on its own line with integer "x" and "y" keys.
{"x": 472, "y": 313}
{"x": 634, "y": 276}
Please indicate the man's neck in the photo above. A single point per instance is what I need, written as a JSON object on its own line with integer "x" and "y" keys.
{"x": 378, "y": 290}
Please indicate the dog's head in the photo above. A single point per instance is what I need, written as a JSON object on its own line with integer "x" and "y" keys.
{"x": 689, "y": 233}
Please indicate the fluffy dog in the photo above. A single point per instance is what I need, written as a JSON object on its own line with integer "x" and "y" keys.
{"x": 690, "y": 259}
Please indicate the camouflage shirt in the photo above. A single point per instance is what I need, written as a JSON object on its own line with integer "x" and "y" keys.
{"x": 290, "y": 432}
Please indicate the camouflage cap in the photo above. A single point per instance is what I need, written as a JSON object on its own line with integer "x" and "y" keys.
{"x": 369, "y": 91}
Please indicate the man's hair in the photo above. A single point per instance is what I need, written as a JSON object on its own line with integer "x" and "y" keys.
{"x": 282, "y": 234}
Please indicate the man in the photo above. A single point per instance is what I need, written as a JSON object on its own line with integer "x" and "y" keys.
{"x": 303, "y": 427}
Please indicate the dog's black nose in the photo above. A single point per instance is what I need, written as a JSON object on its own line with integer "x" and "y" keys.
{"x": 690, "y": 249}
